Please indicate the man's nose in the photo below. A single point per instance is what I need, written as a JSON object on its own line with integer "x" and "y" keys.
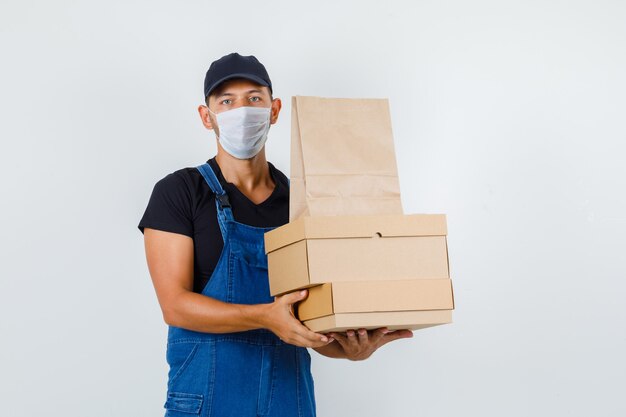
{"x": 238, "y": 103}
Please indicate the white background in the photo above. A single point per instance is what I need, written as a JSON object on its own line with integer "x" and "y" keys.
{"x": 509, "y": 116}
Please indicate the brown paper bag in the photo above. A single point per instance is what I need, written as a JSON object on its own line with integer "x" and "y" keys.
{"x": 342, "y": 158}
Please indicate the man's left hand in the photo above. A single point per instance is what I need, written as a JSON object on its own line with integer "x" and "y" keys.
{"x": 360, "y": 344}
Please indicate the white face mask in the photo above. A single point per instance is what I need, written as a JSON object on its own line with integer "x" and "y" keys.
{"x": 243, "y": 131}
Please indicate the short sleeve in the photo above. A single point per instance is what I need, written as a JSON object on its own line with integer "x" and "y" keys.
{"x": 170, "y": 207}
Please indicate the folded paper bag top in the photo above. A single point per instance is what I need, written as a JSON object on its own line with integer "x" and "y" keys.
{"x": 342, "y": 158}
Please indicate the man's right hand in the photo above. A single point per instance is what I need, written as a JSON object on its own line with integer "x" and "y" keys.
{"x": 280, "y": 320}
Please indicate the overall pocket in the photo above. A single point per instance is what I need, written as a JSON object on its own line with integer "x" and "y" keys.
{"x": 248, "y": 282}
{"x": 181, "y": 404}
{"x": 179, "y": 357}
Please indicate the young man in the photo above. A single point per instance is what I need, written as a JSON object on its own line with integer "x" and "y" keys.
{"x": 232, "y": 349}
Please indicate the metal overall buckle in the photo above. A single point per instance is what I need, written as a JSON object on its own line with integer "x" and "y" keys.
{"x": 223, "y": 200}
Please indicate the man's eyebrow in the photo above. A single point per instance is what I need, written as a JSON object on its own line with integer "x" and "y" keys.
{"x": 254, "y": 90}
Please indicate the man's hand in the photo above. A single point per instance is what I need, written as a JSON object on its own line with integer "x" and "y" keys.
{"x": 359, "y": 345}
{"x": 280, "y": 320}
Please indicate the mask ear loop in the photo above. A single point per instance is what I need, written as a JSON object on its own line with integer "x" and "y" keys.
{"x": 214, "y": 114}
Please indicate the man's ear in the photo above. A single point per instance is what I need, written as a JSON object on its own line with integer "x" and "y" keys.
{"x": 205, "y": 116}
{"x": 276, "y": 106}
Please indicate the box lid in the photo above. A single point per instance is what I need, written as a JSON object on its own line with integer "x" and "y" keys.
{"x": 326, "y": 227}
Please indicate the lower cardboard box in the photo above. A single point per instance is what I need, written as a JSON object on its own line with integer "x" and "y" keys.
{"x": 407, "y": 304}
{"x": 393, "y": 320}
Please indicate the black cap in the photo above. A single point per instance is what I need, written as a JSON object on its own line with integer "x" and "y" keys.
{"x": 235, "y": 66}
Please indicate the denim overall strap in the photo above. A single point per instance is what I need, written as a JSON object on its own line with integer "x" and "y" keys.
{"x": 247, "y": 373}
{"x": 224, "y": 211}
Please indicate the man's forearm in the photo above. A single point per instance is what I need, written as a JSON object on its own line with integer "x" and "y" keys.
{"x": 200, "y": 313}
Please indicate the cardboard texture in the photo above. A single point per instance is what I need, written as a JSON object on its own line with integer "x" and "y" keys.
{"x": 315, "y": 250}
{"x": 342, "y": 158}
{"x": 347, "y": 232}
{"x": 376, "y": 296}
{"x": 394, "y": 320}
{"x": 356, "y": 226}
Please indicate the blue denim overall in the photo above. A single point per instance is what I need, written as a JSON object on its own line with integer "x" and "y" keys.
{"x": 251, "y": 373}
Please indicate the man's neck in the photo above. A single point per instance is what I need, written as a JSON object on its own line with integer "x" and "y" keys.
{"x": 245, "y": 174}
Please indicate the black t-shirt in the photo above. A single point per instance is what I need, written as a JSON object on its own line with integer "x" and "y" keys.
{"x": 182, "y": 202}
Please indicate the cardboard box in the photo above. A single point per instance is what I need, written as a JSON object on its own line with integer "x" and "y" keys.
{"x": 394, "y": 320}
{"x": 315, "y": 250}
{"x": 379, "y": 268}
{"x": 376, "y": 296}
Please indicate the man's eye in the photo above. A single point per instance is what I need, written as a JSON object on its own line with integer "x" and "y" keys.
{"x": 254, "y": 99}
{"x": 227, "y": 101}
